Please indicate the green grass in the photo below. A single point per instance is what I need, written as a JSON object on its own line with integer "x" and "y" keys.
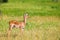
{"x": 33, "y": 8}
{"x": 43, "y": 22}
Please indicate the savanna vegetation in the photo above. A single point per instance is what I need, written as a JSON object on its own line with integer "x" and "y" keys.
{"x": 43, "y": 22}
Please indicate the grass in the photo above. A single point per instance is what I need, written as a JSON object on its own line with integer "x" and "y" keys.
{"x": 46, "y": 28}
{"x": 43, "y": 22}
{"x": 33, "y": 8}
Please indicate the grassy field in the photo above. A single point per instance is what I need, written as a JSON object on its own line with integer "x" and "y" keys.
{"x": 43, "y": 22}
{"x": 46, "y": 28}
{"x": 32, "y": 7}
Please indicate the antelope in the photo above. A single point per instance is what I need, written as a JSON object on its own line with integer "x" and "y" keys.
{"x": 14, "y": 23}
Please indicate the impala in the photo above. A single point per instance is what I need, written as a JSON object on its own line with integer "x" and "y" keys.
{"x": 14, "y": 23}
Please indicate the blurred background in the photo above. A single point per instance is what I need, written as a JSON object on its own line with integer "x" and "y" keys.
{"x": 33, "y": 7}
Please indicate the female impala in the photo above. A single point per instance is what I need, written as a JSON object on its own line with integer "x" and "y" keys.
{"x": 14, "y": 23}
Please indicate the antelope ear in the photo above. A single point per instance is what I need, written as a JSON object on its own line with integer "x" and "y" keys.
{"x": 26, "y": 14}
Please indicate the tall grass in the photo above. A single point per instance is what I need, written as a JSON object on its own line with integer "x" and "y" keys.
{"x": 37, "y": 28}
{"x": 43, "y": 22}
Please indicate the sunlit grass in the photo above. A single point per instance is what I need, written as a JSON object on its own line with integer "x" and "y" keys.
{"x": 37, "y": 28}
{"x": 43, "y": 22}
{"x": 41, "y": 9}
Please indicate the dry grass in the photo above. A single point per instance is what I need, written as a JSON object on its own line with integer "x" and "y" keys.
{"x": 42, "y": 28}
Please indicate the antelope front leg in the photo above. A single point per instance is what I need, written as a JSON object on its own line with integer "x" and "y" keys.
{"x": 21, "y": 33}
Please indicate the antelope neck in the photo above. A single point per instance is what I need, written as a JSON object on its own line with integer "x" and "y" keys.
{"x": 25, "y": 20}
